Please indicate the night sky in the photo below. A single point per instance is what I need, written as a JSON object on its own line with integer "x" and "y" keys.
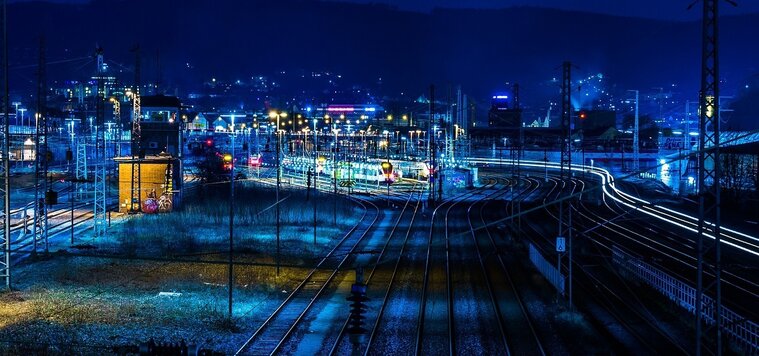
{"x": 670, "y": 9}
{"x": 656, "y": 9}
{"x": 643, "y": 50}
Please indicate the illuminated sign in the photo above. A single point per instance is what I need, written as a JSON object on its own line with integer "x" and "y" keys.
{"x": 341, "y": 109}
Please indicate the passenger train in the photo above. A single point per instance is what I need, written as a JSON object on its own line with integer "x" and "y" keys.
{"x": 366, "y": 171}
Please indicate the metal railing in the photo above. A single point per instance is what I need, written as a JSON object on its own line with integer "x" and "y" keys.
{"x": 745, "y": 332}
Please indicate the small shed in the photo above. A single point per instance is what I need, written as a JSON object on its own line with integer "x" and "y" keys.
{"x": 199, "y": 123}
{"x": 159, "y": 183}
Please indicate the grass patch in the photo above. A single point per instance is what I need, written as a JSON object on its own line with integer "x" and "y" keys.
{"x": 202, "y": 225}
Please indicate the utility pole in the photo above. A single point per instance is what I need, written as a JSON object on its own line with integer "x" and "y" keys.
{"x": 520, "y": 149}
{"x": 636, "y": 135}
{"x": 99, "y": 204}
{"x": 136, "y": 140}
{"x": 709, "y": 175}
{"x": 39, "y": 227}
{"x": 315, "y": 177}
{"x": 5, "y": 264}
{"x": 279, "y": 182}
{"x": 231, "y": 275}
{"x": 566, "y": 164}
{"x": 334, "y": 174}
{"x": 277, "y": 115}
{"x": 432, "y": 144}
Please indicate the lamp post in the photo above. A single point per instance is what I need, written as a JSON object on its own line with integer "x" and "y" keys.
{"x": 387, "y": 158}
{"x": 231, "y": 218}
{"x": 397, "y": 139}
{"x": 69, "y": 158}
{"x": 334, "y": 175}
{"x": 316, "y": 180}
{"x": 22, "y": 110}
{"x": 277, "y": 115}
{"x": 411, "y": 141}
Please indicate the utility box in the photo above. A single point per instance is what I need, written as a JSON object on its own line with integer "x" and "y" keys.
{"x": 158, "y": 185}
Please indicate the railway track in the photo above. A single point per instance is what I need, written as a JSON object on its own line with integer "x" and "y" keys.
{"x": 609, "y": 303}
{"x": 393, "y": 285}
{"x": 676, "y": 253}
{"x": 518, "y": 333}
{"x": 273, "y": 331}
{"x": 338, "y": 343}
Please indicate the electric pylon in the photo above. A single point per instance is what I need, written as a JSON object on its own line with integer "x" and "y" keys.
{"x": 565, "y": 210}
{"x": 135, "y": 200}
{"x": 709, "y": 309}
{"x": 99, "y": 205}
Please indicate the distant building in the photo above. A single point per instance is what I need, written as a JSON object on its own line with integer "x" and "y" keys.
{"x": 199, "y": 123}
{"x": 160, "y": 125}
{"x": 595, "y": 122}
{"x": 502, "y": 113}
{"x": 220, "y": 124}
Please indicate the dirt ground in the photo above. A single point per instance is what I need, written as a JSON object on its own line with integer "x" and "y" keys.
{"x": 166, "y": 277}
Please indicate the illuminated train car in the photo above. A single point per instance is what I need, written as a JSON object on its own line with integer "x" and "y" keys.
{"x": 369, "y": 172}
{"x": 201, "y": 147}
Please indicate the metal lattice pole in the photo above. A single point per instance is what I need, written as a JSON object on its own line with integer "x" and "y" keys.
{"x": 81, "y": 160}
{"x": 135, "y": 204}
{"x": 636, "y": 135}
{"x": 279, "y": 182}
{"x": 99, "y": 204}
{"x": 565, "y": 210}
{"x": 39, "y": 226}
{"x": 5, "y": 264}
{"x": 520, "y": 149}
{"x": 566, "y": 116}
{"x": 432, "y": 145}
{"x": 709, "y": 176}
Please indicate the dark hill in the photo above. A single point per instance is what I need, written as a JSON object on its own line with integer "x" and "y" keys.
{"x": 480, "y": 49}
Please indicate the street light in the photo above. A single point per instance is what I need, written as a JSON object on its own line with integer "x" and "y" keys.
{"x": 277, "y": 115}
{"x": 334, "y": 174}
{"x": 230, "y": 158}
{"x": 22, "y": 110}
{"x": 316, "y": 177}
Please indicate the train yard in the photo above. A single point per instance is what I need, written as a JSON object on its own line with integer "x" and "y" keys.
{"x": 445, "y": 277}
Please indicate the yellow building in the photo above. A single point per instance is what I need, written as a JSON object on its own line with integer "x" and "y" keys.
{"x": 159, "y": 183}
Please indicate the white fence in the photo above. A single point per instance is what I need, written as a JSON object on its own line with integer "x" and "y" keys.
{"x": 743, "y": 331}
{"x": 547, "y": 270}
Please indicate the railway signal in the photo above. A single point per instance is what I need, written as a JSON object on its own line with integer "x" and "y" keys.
{"x": 387, "y": 170}
{"x": 309, "y": 175}
{"x": 227, "y": 158}
{"x": 358, "y": 297}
